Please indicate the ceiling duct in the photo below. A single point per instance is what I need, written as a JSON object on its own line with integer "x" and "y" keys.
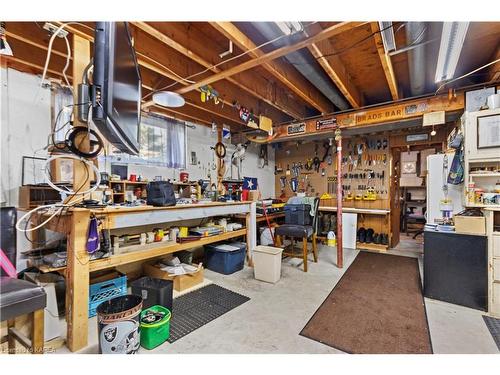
{"x": 415, "y": 34}
{"x": 306, "y": 65}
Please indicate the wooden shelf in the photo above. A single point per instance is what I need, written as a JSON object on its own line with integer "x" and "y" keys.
{"x": 143, "y": 252}
{"x": 371, "y": 247}
{"x": 492, "y": 174}
{"x": 366, "y": 211}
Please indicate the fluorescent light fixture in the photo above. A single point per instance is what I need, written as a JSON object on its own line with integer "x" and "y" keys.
{"x": 289, "y": 28}
{"x": 452, "y": 40}
{"x": 387, "y": 32}
{"x": 168, "y": 99}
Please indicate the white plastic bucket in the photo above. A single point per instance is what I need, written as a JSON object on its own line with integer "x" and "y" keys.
{"x": 267, "y": 263}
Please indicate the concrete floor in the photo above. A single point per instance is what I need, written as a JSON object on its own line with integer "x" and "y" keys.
{"x": 271, "y": 321}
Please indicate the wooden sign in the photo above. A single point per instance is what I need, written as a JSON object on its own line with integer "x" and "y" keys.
{"x": 417, "y": 137}
{"x": 324, "y": 124}
{"x": 294, "y": 129}
{"x": 373, "y": 116}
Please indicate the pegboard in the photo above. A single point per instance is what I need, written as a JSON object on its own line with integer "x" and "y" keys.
{"x": 366, "y": 163}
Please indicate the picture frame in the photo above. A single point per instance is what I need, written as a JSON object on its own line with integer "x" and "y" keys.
{"x": 475, "y": 99}
{"x": 488, "y": 131}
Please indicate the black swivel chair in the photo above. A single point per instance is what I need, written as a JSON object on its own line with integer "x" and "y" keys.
{"x": 305, "y": 232}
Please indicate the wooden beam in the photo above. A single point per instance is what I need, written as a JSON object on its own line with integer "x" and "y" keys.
{"x": 255, "y": 90}
{"x": 326, "y": 33}
{"x": 385, "y": 60}
{"x": 495, "y": 68}
{"x": 150, "y": 59}
{"x": 286, "y": 74}
{"x": 335, "y": 68}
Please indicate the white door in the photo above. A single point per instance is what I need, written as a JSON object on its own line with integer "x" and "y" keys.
{"x": 349, "y": 229}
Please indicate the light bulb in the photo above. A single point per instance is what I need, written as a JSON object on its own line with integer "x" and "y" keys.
{"x": 433, "y": 132}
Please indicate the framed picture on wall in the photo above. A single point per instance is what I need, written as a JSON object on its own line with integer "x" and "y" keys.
{"x": 488, "y": 131}
{"x": 475, "y": 99}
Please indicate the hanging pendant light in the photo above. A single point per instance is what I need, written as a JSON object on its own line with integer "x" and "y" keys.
{"x": 168, "y": 99}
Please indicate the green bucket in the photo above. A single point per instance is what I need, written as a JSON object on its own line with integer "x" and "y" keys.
{"x": 157, "y": 332}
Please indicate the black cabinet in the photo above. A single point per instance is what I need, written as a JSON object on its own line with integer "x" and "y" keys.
{"x": 456, "y": 268}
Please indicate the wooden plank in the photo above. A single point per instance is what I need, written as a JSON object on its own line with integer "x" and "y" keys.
{"x": 385, "y": 60}
{"x": 286, "y": 74}
{"x": 335, "y": 68}
{"x": 258, "y": 91}
{"x": 326, "y": 33}
{"x": 77, "y": 281}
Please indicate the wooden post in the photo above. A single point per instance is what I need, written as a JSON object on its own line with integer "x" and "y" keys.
{"x": 77, "y": 281}
{"x": 340, "y": 249}
{"x": 37, "y": 332}
{"x": 77, "y": 270}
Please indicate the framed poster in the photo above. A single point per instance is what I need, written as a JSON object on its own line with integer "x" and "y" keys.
{"x": 475, "y": 99}
{"x": 488, "y": 131}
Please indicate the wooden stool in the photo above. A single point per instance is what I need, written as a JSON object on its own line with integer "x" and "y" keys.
{"x": 20, "y": 297}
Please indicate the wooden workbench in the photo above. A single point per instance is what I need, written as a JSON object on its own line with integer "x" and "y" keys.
{"x": 75, "y": 224}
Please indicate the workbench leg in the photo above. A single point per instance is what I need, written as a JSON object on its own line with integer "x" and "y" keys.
{"x": 251, "y": 225}
{"x": 37, "y": 332}
{"x": 11, "y": 323}
{"x": 77, "y": 281}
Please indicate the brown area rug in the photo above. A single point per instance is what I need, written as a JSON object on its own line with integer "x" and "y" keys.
{"x": 376, "y": 307}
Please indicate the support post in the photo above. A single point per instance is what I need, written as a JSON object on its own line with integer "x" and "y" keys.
{"x": 77, "y": 270}
{"x": 340, "y": 249}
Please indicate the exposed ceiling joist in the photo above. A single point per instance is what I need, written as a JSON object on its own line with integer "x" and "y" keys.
{"x": 385, "y": 60}
{"x": 335, "y": 68}
{"x": 283, "y": 72}
{"x": 326, "y": 33}
{"x": 495, "y": 68}
{"x": 276, "y": 102}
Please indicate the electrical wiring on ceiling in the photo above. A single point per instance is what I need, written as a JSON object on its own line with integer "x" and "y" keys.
{"x": 187, "y": 79}
{"x": 466, "y": 75}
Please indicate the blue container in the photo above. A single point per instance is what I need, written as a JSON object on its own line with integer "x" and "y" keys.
{"x": 221, "y": 260}
{"x": 104, "y": 291}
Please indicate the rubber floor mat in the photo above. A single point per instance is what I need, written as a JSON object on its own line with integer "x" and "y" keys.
{"x": 493, "y": 325}
{"x": 199, "y": 307}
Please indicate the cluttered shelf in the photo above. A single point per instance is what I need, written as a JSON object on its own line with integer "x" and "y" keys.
{"x": 356, "y": 210}
{"x": 137, "y": 253}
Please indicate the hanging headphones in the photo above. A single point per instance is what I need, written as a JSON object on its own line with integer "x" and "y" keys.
{"x": 220, "y": 150}
{"x": 96, "y": 144}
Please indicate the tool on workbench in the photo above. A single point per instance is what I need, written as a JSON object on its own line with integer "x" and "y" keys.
{"x": 282, "y": 183}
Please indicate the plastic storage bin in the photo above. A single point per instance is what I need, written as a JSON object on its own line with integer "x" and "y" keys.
{"x": 106, "y": 290}
{"x": 225, "y": 258}
{"x": 153, "y": 291}
{"x": 156, "y": 333}
{"x": 267, "y": 263}
{"x": 298, "y": 214}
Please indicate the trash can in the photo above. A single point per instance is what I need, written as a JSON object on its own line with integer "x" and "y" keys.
{"x": 267, "y": 263}
{"x": 153, "y": 291}
{"x": 155, "y": 326}
{"x": 118, "y": 325}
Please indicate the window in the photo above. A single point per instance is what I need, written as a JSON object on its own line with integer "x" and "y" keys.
{"x": 162, "y": 142}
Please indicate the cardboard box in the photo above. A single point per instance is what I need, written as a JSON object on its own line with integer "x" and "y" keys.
{"x": 181, "y": 282}
{"x": 470, "y": 224}
{"x": 52, "y": 326}
{"x": 410, "y": 181}
{"x": 253, "y": 195}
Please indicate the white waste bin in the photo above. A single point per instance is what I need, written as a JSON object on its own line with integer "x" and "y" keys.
{"x": 267, "y": 263}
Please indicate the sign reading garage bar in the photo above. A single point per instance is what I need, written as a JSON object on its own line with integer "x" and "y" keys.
{"x": 373, "y": 116}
